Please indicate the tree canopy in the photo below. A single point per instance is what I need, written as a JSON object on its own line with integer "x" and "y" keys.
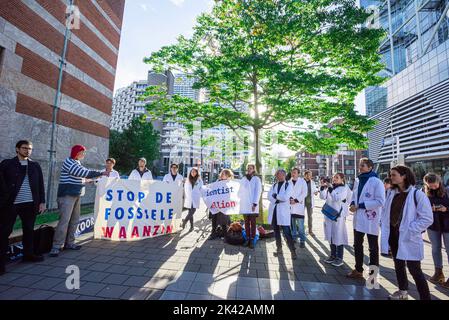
{"x": 137, "y": 141}
{"x": 269, "y": 63}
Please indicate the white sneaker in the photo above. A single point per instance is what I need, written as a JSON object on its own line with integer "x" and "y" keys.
{"x": 337, "y": 263}
{"x": 399, "y": 295}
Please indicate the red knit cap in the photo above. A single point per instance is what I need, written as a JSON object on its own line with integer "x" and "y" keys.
{"x": 75, "y": 150}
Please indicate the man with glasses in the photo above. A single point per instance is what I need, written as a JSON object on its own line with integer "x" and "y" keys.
{"x": 21, "y": 194}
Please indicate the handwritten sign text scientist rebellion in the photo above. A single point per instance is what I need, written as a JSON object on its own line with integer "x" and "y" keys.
{"x": 219, "y": 191}
{"x": 138, "y": 213}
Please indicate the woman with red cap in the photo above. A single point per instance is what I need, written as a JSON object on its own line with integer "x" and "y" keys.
{"x": 70, "y": 190}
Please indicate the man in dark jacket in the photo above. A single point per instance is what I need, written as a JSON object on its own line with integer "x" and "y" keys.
{"x": 21, "y": 194}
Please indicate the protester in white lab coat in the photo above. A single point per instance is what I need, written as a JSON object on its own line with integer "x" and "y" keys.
{"x": 297, "y": 207}
{"x": 173, "y": 176}
{"x": 192, "y": 192}
{"x": 249, "y": 206}
{"x": 406, "y": 215}
{"x": 279, "y": 212}
{"x": 337, "y": 195}
{"x": 368, "y": 198}
{"x": 309, "y": 201}
{"x": 142, "y": 172}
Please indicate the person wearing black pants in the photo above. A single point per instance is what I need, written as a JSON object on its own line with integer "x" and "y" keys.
{"x": 414, "y": 267}
{"x": 406, "y": 215}
{"x": 358, "y": 250}
{"x": 21, "y": 194}
{"x": 192, "y": 195}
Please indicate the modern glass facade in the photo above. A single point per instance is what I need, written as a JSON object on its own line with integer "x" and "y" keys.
{"x": 412, "y": 107}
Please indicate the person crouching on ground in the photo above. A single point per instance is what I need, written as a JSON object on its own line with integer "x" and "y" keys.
{"x": 221, "y": 220}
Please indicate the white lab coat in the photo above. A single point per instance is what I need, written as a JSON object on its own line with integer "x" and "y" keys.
{"x": 335, "y": 231}
{"x": 192, "y": 195}
{"x": 415, "y": 220}
{"x": 299, "y": 192}
{"x": 313, "y": 189}
{"x": 135, "y": 175}
{"x": 168, "y": 178}
{"x": 373, "y": 196}
{"x": 254, "y": 191}
{"x": 283, "y": 207}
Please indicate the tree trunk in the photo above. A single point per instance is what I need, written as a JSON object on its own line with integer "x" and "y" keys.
{"x": 260, "y": 219}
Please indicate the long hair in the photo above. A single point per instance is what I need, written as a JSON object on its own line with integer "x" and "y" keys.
{"x": 434, "y": 178}
{"x": 193, "y": 179}
{"x": 410, "y": 179}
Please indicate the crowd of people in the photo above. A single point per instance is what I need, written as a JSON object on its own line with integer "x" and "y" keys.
{"x": 392, "y": 210}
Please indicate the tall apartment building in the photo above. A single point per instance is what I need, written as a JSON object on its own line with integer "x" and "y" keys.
{"x": 32, "y": 38}
{"x": 413, "y": 128}
{"x": 126, "y": 105}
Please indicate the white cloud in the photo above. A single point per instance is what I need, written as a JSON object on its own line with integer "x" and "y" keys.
{"x": 144, "y": 7}
{"x": 177, "y": 3}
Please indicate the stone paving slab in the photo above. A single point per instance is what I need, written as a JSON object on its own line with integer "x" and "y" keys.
{"x": 187, "y": 266}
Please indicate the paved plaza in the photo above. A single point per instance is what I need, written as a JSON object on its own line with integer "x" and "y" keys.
{"x": 186, "y": 266}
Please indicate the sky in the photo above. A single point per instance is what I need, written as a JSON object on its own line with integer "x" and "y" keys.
{"x": 149, "y": 25}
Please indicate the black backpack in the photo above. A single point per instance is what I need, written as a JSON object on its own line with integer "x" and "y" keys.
{"x": 43, "y": 239}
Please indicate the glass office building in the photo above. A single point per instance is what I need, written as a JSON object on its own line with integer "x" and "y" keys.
{"x": 412, "y": 107}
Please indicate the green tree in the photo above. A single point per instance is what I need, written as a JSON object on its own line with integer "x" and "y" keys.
{"x": 289, "y": 164}
{"x": 266, "y": 63}
{"x": 137, "y": 141}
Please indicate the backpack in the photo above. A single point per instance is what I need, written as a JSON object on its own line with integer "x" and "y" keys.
{"x": 234, "y": 235}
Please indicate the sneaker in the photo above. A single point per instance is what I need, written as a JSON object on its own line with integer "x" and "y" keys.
{"x": 72, "y": 247}
{"x": 399, "y": 295}
{"x": 337, "y": 263}
{"x": 302, "y": 245}
{"x": 329, "y": 260}
{"x": 33, "y": 258}
{"x": 354, "y": 274}
{"x": 191, "y": 229}
{"x": 251, "y": 244}
{"x": 54, "y": 253}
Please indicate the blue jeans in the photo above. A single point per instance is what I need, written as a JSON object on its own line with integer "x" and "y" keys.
{"x": 435, "y": 239}
{"x": 337, "y": 251}
{"x": 298, "y": 230}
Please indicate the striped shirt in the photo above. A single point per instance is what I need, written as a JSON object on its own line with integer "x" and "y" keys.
{"x": 24, "y": 195}
{"x": 72, "y": 172}
{"x": 71, "y": 181}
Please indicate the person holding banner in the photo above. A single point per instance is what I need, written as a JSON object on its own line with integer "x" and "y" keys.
{"x": 249, "y": 206}
{"x": 192, "y": 192}
{"x": 70, "y": 190}
{"x": 173, "y": 176}
{"x": 141, "y": 172}
{"x": 337, "y": 196}
{"x": 279, "y": 212}
{"x": 297, "y": 207}
{"x": 220, "y": 219}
